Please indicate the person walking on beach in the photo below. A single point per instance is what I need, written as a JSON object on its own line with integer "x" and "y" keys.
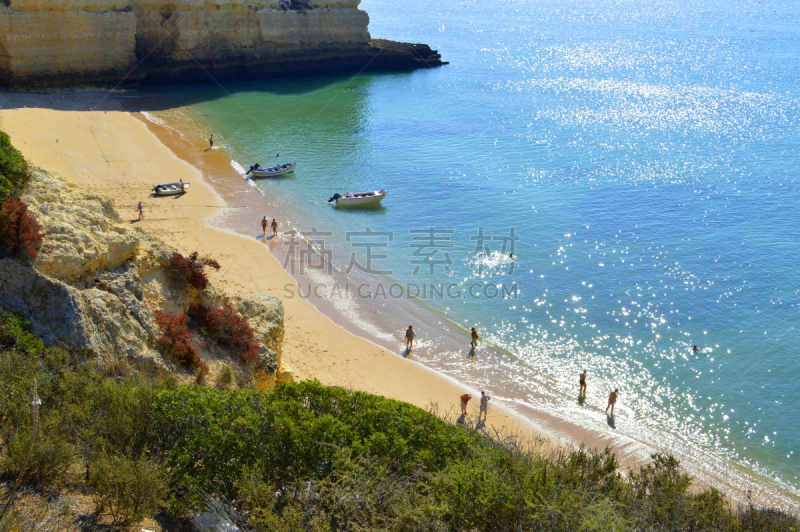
{"x": 264, "y": 225}
{"x": 484, "y": 405}
{"x": 410, "y": 334}
{"x": 474, "y": 338}
{"x": 464, "y": 400}
{"x": 141, "y": 211}
{"x": 612, "y": 400}
{"x": 210, "y": 142}
{"x": 583, "y": 383}
{"x": 274, "y": 227}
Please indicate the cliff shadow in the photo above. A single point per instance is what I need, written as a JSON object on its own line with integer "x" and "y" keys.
{"x": 163, "y": 97}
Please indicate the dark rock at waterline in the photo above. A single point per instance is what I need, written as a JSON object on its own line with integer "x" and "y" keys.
{"x": 378, "y": 55}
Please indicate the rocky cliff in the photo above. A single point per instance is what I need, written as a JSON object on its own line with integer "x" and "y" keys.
{"x": 105, "y": 42}
{"x": 94, "y": 287}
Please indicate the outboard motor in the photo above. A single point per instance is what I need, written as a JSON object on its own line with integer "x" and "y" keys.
{"x": 335, "y": 197}
{"x": 253, "y": 168}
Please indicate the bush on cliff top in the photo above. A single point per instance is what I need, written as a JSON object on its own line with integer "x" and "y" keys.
{"x": 176, "y": 340}
{"x": 228, "y": 328}
{"x": 20, "y": 233}
{"x": 14, "y": 171}
{"x": 192, "y": 268}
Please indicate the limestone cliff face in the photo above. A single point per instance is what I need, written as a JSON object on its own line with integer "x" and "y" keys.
{"x": 51, "y": 42}
{"x": 65, "y": 42}
{"x": 96, "y": 285}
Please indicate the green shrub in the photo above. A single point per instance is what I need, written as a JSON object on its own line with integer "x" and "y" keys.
{"x": 225, "y": 377}
{"x": 128, "y": 489}
{"x": 14, "y": 171}
{"x": 50, "y": 457}
{"x": 15, "y": 332}
{"x": 128, "y": 430}
{"x": 293, "y": 433}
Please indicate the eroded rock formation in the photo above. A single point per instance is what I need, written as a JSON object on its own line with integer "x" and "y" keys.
{"x": 96, "y": 285}
{"x": 68, "y": 42}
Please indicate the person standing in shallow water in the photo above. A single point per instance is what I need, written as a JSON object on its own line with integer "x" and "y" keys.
{"x": 264, "y": 225}
{"x": 474, "y": 338}
{"x": 583, "y": 382}
{"x": 274, "y": 227}
{"x": 612, "y": 400}
{"x": 210, "y": 142}
{"x": 410, "y": 336}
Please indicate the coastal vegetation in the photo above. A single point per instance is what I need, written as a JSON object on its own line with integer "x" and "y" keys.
{"x": 305, "y": 457}
{"x": 192, "y": 268}
{"x": 14, "y": 172}
{"x": 20, "y": 233}
{"x": 176, "y": 340}
{"x": 223, "y": 325}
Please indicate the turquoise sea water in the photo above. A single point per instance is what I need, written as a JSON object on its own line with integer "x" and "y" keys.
{"x": 645, "y": 153}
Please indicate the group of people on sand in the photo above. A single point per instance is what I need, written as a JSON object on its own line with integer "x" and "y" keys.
{"x": 612, "y": 397}
{"x": 274, "y": 226}
{"x": 484, "y": 404}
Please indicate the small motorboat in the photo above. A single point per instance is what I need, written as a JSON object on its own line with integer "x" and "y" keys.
{"x": 257, "y": 171}
{"x": 360, "y": 198}
{"x": 170, "y": 189}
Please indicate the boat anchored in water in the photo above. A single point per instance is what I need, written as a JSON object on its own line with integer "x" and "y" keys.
{"x": 257, "y": 171}
{"x": 361, "y": 198}
{"x": 170, "y": 189}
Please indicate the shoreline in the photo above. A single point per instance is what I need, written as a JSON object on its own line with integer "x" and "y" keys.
{"x": 370, "y": 367}
{"x": 105, "y": 150}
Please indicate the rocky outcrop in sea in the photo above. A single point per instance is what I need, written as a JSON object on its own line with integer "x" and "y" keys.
{"x": 109, "y": 42}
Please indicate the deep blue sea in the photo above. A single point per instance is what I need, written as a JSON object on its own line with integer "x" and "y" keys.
{"x": 641, "y": 156}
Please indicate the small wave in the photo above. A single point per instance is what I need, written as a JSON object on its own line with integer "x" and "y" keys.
{"x": 154, "y": 119}
{"x": 241, "y": 171}
{"x": 490, "y": 263}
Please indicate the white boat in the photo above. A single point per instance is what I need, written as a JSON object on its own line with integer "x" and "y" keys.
{"x": 170, "y": 189}
{"x": 360, "y": 198}
{"x": 257, "y": 171}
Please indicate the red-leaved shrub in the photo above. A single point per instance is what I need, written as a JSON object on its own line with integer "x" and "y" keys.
{"x": 191, "y": 268}
{"x": 20, "y": 233}
{"x": 230, "y": 329}
{"x": 176, "y": 340}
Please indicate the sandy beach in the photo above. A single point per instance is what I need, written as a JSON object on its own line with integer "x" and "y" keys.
{"x": 112, "y": 151}
{"x": 119, "y": 153}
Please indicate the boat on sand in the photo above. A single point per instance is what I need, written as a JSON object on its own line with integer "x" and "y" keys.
{"x": 257, "y": 171}
{"x": 360, "y": 198}
{"x": 170, "y": 189}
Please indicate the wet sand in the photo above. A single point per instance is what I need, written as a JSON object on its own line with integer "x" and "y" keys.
{"x": 123, "y": 154}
